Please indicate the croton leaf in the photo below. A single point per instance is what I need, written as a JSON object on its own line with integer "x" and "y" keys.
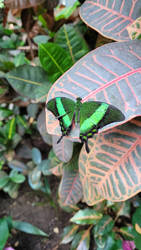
{"x": 55, "y": 166}
{"x": 134, "y": 29}
{"x": 69, "y": 233}
{"x": 70, "y": 190}
{"x": 111, "y": 74}
{"x": 63, "y": 150}
{"x": 86, "y": 216}
{"x": 41, "y": 125}
{"x": 112, "y": 169}
{"x": 111, "y": 18}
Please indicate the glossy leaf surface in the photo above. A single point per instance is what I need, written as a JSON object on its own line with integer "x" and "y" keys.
{"x": 111, "y": 74}
{"x": 84, "y": 242}
{"x": 4, "y": 233}
{"x": 86, "y": 216}
{"x": 69, "y": 233}
{"x": 28, "y": 228}
{"x": 110, "y": 17}
{"x": 112, "y": 169}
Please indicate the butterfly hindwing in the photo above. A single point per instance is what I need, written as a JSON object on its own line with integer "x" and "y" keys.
{"x": 63, "y": 109}
{"x": 95, "y": 115}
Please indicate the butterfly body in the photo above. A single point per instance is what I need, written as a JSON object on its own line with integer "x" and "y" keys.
{"x": 90, "y": 115}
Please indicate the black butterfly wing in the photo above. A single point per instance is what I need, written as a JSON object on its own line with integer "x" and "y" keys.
{"x": 95, "y": 115}
{"x": 63, "y": 109}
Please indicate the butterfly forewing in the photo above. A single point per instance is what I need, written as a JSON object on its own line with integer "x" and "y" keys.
{"x": 63, "y": 109}
{"x": 113, "y": 115}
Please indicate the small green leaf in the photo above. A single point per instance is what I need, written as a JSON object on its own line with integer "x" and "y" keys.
{"x": 66, "y": 12}
{"x": 36, "y": 155}
{"x": 34, "y": 179}
{"x": 44, "y": 166}
{"x": 4, "y": 113}
{"x": 10, "y": 128}
{"x": 16, "y": 177}
{"x": 104, "y": 226}
{"x": 4, "y": 233}
{"x": 17, "y": 165}
{"x": 41, "y": 39}
{"x": 69, "y": 233}
{"x": 54, "y": 59}
{"x": 84, "y": 242}
{"x": 20, "y": 59}
{"x": 86, "y": 216}
{"x": 76, "y": 240}
{"x": 28, "y": 228}
{"x": 4, "y": 178}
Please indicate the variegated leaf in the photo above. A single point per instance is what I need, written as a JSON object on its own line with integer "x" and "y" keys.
{"x": 112, "y": 170}
{"x": 111, "y": 17}
{"x": 70, "y": 189}
{"x": 134, "y": 29}
{"x": 64, "y": 149}
{"x": 111, "y": 74}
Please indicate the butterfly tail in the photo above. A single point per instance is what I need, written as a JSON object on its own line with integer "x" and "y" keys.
{"x": 87, "y": 147}
{"x": 60, "y": 139}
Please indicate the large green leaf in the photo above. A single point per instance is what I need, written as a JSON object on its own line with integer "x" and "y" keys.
{"x": 29, "y": 81}
{"x": 54, "y": 59}
{"x": 69, "y": 233}
{"x": 4, "y": 233}
{"x": 28, "y": 228}
{"x": 111, "y": 18}
{"x": 69, "y": 38}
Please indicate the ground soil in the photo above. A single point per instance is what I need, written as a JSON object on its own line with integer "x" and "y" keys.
{"x": 34, "y": 207}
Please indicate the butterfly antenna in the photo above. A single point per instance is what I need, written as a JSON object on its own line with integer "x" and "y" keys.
{"x": 60, "y": 139}
{"x": 86, "y": 146}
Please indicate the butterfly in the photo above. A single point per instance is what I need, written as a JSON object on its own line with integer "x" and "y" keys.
{"x": 91, "y": 116}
